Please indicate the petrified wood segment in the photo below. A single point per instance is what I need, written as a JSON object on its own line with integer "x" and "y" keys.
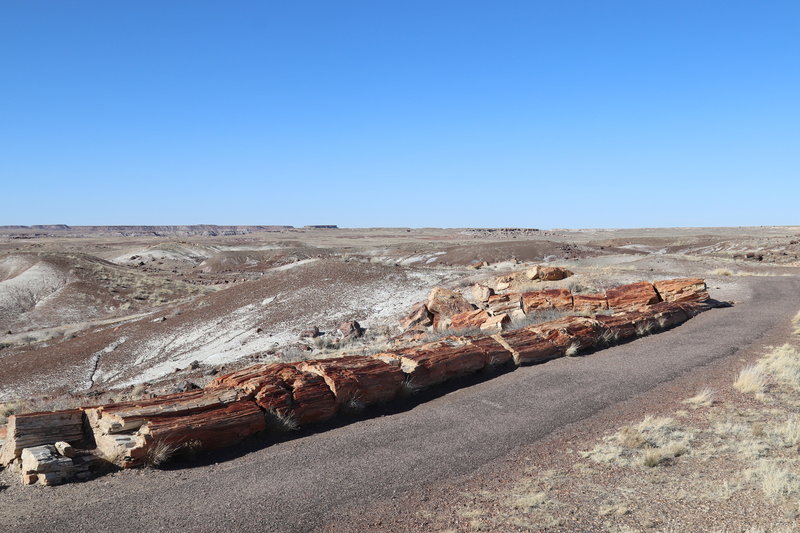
{"x": 528, "y": 346}
{"x": 560, "y": 299}
{"x": 589, "y": 302}
{"x": 682, "y": 290}
{"x": 444, "y": 303}
{"x": 36, "y": 429}
{"x": 548, "y": 273}
{"x": 208, "y": 430}
{"x": 632, "y": 295}
{"x": 357, "y": 379}
{"x": 496, "y": 354}
{"x": 469, "y": 319}
{"x": 281, "y": 387}
{"x": 504, "y": 303}
{"x": 129, "y": 416}
{"x": 436, "y": 362}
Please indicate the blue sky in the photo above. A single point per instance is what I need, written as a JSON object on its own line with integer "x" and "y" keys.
{"x": 404, "y": 113}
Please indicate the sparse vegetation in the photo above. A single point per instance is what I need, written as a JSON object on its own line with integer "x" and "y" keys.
{"x": 572, "y": 350}
{"x": 721, "y": 272}
{"x": 751, "y": 380}
{"x": 704, "y": 398}
{"x": 159, "y": 454}
{"x": 281, "y": 422}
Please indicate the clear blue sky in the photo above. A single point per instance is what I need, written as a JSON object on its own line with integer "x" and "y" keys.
{"x": 400, "y": 113}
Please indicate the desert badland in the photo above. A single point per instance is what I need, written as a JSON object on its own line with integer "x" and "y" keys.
{"x": 417, "y": 334}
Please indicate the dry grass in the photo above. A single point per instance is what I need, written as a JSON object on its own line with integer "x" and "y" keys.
{"x": 651, "y": 442}
{"x": 796, "y": 323}
{"x": 573, "y": 349}
{"x": 721, "y": 272}
{"x": 160, "y": 453}
{"x": 704, "y": 398}
{"x": 281, "y": 422}
{"x": 752, "y": 380}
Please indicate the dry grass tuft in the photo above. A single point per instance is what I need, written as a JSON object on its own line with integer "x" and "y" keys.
{"x": 752, "y": 380}
{"x": 721, "y": 272}
{"x": 776, "y": 478}
{"x": 281, "y": 422}
{"x": 704, "y": 398}
{"x": 160, "y": 454}
{"x": 572, "y": 350}
{"x": 651, "y": 442}
{"x": 527, "y": 502}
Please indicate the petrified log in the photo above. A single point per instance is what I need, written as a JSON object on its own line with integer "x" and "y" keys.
{"x": 444, "y": 303}
{"x": 419, "y": 317}
{"x": 632, "y": 295}
{"x": 282, "y": 388}
{"x": 576, "y": 332}
{"x": 559, "y": 299}
{"x": 36, "y": 429}
{"x": 499, "y": 304}
{"x": 357, "y": 379}
{"x": 496, "y": 354}
{"x": 209, "y": 430}
{"x": 528, "y": 346}
{"x": 496, "y": 323}
{"x": 617, "y": 327}
{"x": 589, "y": 302}
{"x": 129, "y": 416}
{"x": 436, "y": 362}
{"x": 469, "y": 319}
{"x": 668, "y": 314}
{"x": 682, "y": 290}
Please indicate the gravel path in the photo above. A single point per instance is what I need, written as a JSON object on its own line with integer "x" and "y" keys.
{"x": 296, "y": 485}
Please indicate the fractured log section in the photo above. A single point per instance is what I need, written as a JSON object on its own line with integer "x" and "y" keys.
{"x": 36, "y": 429}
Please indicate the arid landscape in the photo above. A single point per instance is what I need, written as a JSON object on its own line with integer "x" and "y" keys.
{"x": 646, "y": 428}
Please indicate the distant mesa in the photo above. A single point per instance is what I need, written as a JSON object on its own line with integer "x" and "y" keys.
{"x": 135, "y": 231}
{"x": 322, "y": 226}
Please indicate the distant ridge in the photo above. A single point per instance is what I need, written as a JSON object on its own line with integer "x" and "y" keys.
{"x": 63, "y": 230}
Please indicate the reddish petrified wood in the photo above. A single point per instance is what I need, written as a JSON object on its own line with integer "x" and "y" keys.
{"x": 436, "y": 362}
{"x": 469, "y": 319}
{"x": 419, "y": 317}
{"x": 633, "y": 295}
{"x": 357, "y": 379}
{"x": 528, "y": 346}
{"x": 208, "y": 430}
{"x": 496, "y": 354}
{"x": 682, "y": 290}
{"x": 504, "y": 303}
{"x": 577, "y": 332}
{"x": 668, "y": 314}
{"x": 618, "y": 327}
{"x": 128, "y": 416}
{"x": 589, "y": 302}
{"x": 281, "y": 387}
{"x": 560, "y": 299}
{"x": 444, "y": 303}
